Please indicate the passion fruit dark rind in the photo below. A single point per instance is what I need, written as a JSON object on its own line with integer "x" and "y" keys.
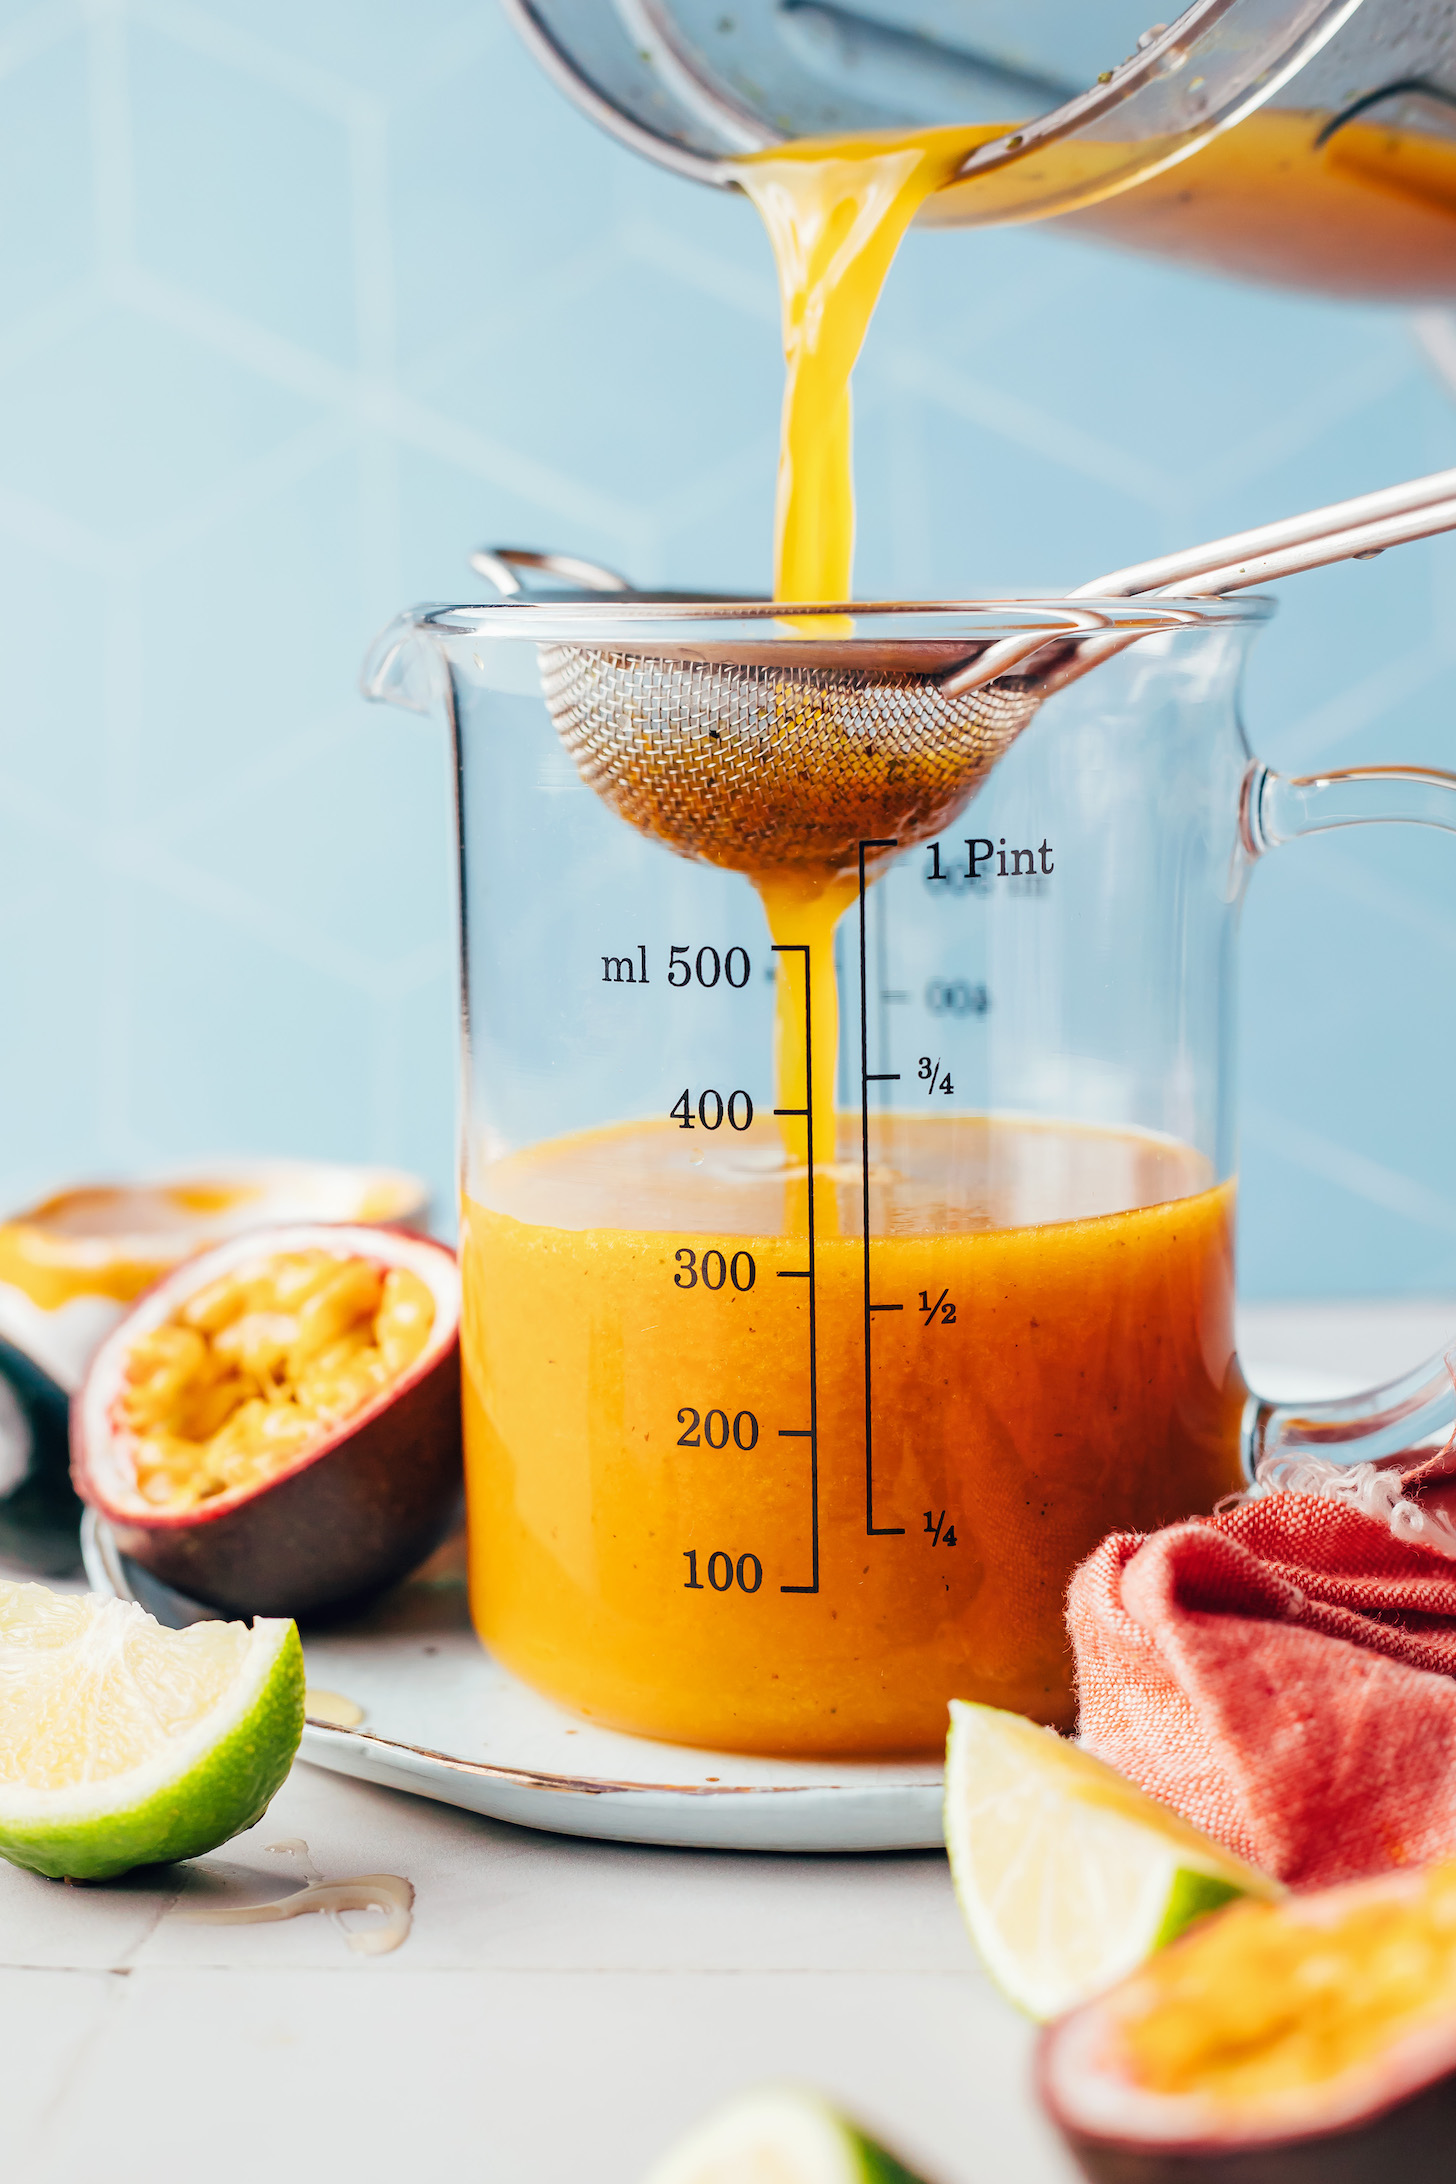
{"x": 356, "y": 1512}
{"x": 1412, "y": 2143}
{"x": 40, "y": 1515}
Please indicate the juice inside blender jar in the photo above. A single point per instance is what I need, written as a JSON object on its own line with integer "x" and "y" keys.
{"x": 632, "y": 1360}
{"x": 1370, "y": 211}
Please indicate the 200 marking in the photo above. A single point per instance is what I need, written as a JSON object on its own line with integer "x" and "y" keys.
{"x": 715, "y": 1428}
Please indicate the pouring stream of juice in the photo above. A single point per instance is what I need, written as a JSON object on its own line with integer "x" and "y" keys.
{"x": 836, "y": 213}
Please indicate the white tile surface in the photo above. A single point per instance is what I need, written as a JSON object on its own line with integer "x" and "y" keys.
{"x": 505, "y": 2078}
{"x": 561, "y": 2010}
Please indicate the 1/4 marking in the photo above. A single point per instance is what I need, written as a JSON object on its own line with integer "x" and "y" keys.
{"x": 933, "y": 1524}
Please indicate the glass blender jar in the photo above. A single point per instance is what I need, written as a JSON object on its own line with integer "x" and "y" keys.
{"x": 1310, "y": 142}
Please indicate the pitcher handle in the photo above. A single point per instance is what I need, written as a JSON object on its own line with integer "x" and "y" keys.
{"x": 1383, "y": 1421}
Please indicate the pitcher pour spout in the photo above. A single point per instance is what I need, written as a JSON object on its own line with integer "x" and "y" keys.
{"x": 402, "y": 667}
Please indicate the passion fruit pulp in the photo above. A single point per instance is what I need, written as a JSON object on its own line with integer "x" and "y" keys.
{"x": 274, "y": 1428}
{"x": 1308, "y": 2041}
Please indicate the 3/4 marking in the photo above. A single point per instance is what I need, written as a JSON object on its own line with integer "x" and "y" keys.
{"x": 932, "y": 1076}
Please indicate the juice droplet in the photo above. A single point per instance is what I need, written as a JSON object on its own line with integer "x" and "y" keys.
{"x": 331, "y": 1708}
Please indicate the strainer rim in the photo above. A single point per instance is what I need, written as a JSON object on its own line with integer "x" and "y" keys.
{"x": 976, "y": 621}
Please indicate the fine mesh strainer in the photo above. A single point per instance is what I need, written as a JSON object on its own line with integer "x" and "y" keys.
{"x": 744, "y": 762}
{"x": 761, "y": 767}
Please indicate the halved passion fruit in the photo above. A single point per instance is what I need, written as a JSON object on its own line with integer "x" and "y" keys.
{"x": 1309, "y": 2041}
{"x": 275, "y": 1427}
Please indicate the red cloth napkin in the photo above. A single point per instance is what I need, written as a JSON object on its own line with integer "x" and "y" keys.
{"x": 1284, "y": 1675}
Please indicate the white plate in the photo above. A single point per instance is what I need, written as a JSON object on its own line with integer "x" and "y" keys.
{"x": 444, "y": 1720}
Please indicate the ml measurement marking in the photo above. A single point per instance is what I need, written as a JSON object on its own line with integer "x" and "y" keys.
{"x": 808, "y": 1273}
{"x": 867, "y": 1077}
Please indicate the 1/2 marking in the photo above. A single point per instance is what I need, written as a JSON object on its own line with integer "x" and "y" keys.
{"x": 942, "y": 1309}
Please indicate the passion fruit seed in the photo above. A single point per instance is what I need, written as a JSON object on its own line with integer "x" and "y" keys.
{"x": 208, "y": 1430}
{"x": 781, "y": 2135}
{"x": 1068, "y": 1875}
{"x": 1314, "y": 2038}
{"x": 262, "y": 1362}
{"x": 124, "y": 1744}
{"x": 1261, "y": 2002}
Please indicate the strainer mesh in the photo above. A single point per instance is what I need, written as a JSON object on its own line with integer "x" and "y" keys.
{"x": 764, "y": 768}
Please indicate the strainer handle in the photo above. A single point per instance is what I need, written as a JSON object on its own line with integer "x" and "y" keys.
{"x": 1299, "y": 1443}
{"x": 500, "y": 565}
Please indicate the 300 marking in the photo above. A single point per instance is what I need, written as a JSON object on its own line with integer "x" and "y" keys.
{"x": 715, "y": 1429}
{"x": 714, "y": 1269}
{"x": 723, "y": 1572}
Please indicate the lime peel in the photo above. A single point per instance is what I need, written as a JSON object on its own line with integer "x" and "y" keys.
{"x": 1068, "y": 1875}
{"x": 779, "y": 2135}
{"x": 124, "y": 1744}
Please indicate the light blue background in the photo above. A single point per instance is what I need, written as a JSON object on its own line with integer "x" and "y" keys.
{"x": 298, "y": 302}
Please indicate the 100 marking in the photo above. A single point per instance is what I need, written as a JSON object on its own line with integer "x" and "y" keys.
{"x": 746, "y": 1572}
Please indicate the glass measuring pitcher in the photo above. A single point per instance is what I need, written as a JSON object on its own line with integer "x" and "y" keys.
{"x": 848, "y": 1144}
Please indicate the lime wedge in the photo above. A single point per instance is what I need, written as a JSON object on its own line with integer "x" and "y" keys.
{"x": 1068, "y": 1875}
{"x": 123, "y": 1744}
{"x": 781, "y": 2135}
